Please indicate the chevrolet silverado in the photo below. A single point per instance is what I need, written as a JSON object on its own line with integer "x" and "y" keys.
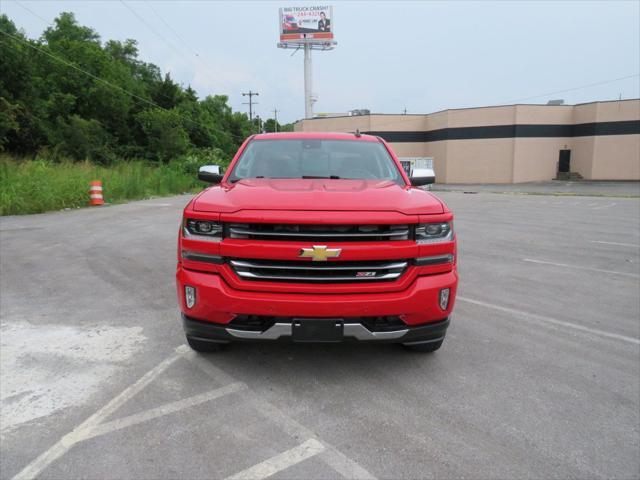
{"x": 316, "y": 237}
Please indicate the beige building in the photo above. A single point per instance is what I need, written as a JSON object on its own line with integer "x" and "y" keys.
{"x": 510, "y": 144}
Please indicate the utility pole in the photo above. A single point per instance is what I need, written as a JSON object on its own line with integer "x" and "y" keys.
{"x": 251, "y": 103}
{"x": 405, "y": 111}
{"x": 275, "y": 117}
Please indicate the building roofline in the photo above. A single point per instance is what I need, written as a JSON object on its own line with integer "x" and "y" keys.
{"x": 609, "y": 101}
{"x": 473, "y": 108}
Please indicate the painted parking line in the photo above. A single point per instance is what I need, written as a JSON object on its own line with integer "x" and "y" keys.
{"x": 534, "y": 317}
{"x": 163, "y": 410}
{"x": 634, "y": 245}
{"x": 608, "y": 205}
{"x": 282, "y": 461}
{"x": 579, "y": 267}
{"x": 83, "y": 430}
{"x": 338, "y": 461}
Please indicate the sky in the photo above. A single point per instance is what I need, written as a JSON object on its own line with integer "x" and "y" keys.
{"x": 422, "y": 56}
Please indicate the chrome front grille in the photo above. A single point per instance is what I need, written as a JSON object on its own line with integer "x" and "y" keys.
{"x": 329, "y": 272}
{"x": 326, "y": 233}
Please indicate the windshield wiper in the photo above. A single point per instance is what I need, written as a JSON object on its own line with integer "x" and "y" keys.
{"x": 331, "y": 177}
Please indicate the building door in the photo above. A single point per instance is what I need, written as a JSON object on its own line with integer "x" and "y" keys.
{"x": 564, "y": 161}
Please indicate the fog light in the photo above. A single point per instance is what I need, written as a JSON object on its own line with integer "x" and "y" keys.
{"x": 190, "y": 296}
{"x": 444, "y": 298}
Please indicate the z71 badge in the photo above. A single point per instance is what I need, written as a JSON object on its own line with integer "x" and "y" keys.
{"x": 365, "y": 274}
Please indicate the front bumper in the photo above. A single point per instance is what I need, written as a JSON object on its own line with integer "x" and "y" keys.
{"x": 219, "y": 303}
{"x": 283, "y": 331}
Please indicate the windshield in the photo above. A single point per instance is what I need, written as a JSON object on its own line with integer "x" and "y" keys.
{"x": 313, "y": 158}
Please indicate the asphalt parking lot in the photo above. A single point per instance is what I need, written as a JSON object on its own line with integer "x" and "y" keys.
{"x": 539, "y": 376}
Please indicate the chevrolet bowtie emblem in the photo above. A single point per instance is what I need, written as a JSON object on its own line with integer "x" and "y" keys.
{"x": 320, "y": 253}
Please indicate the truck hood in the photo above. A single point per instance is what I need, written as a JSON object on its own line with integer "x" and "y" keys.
{"x": 317, "y": 195}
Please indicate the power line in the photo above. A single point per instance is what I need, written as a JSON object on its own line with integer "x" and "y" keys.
{"x": 133, "y": 95}
{"x": 69, "y": 64}
{"x": 53, "y": 23}
{"x": 105, "y": 82}
{"x": 171, "y": 28}
{"x": 250, "y": 93}
{"x": 461, "y": 111}
{"x": 32, "y": 12}
{"x": 155, "y": 32}
{"x": 449, "y": 111}
{"x": 604, "y": 82}
{"x": 208, "y": 71}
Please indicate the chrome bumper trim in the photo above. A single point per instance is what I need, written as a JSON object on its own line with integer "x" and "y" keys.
{"x": 361, "y": 332}
{"x": 318, "y": 267}
{"x": 355, "y": 330}
{"x": 274, "y": 332}
{"x": 237, "y": 232}
{"x": 298, "y": 271}
{"x": 257, "y": 276}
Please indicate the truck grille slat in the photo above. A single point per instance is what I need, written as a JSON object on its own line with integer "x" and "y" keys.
{"x": 237, "y": 231}
{"x": 276, "y": 270}
{"x": 335, "y": 233}
{"x": 329, "y": 266}
{"x": 256, "y": 276}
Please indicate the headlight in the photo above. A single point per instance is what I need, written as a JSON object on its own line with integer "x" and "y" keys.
{"x": 434, "y": 232}
{"x": 204, "y": 229}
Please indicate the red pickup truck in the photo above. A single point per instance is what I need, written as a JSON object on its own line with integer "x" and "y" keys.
{"x": 316, "y": 237}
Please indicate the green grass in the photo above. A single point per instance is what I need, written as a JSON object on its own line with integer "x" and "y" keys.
{"x": 34, "y": 186}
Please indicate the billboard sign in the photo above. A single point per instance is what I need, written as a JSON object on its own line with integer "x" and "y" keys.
{"x": 306, "y": 24}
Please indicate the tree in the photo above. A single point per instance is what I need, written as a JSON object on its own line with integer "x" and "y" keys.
{"x": 8, "y": 121}
{"x": 83, "y": 139}
{"x": 271, "y": 124}
{"x": 166, "y": 138}
{"x": 69, "y": 93}
{"x": 166, "y": 93}
{"x": 20, "y": 88}
{"x": 66, "y": 29}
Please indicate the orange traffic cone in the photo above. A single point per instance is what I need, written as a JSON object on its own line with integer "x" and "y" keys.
{"x": 95, "y": 193}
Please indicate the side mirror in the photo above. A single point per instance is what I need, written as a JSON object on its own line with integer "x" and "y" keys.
{"x": 210, "y": 173}
{"x": 422, "y": 176}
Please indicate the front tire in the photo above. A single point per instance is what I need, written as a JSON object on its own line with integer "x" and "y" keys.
{"x": 428, "y": 347}
{"x": 204, "y": 346}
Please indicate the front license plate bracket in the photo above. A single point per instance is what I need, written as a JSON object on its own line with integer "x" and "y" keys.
{"x": 317, "y": 330}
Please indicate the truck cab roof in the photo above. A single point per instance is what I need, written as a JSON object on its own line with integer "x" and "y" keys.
{"x": 315, "y": 136}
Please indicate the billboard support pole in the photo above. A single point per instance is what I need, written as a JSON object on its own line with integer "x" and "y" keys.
{"x": 296, "y": 33}
{"x": 308, "y": 82}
